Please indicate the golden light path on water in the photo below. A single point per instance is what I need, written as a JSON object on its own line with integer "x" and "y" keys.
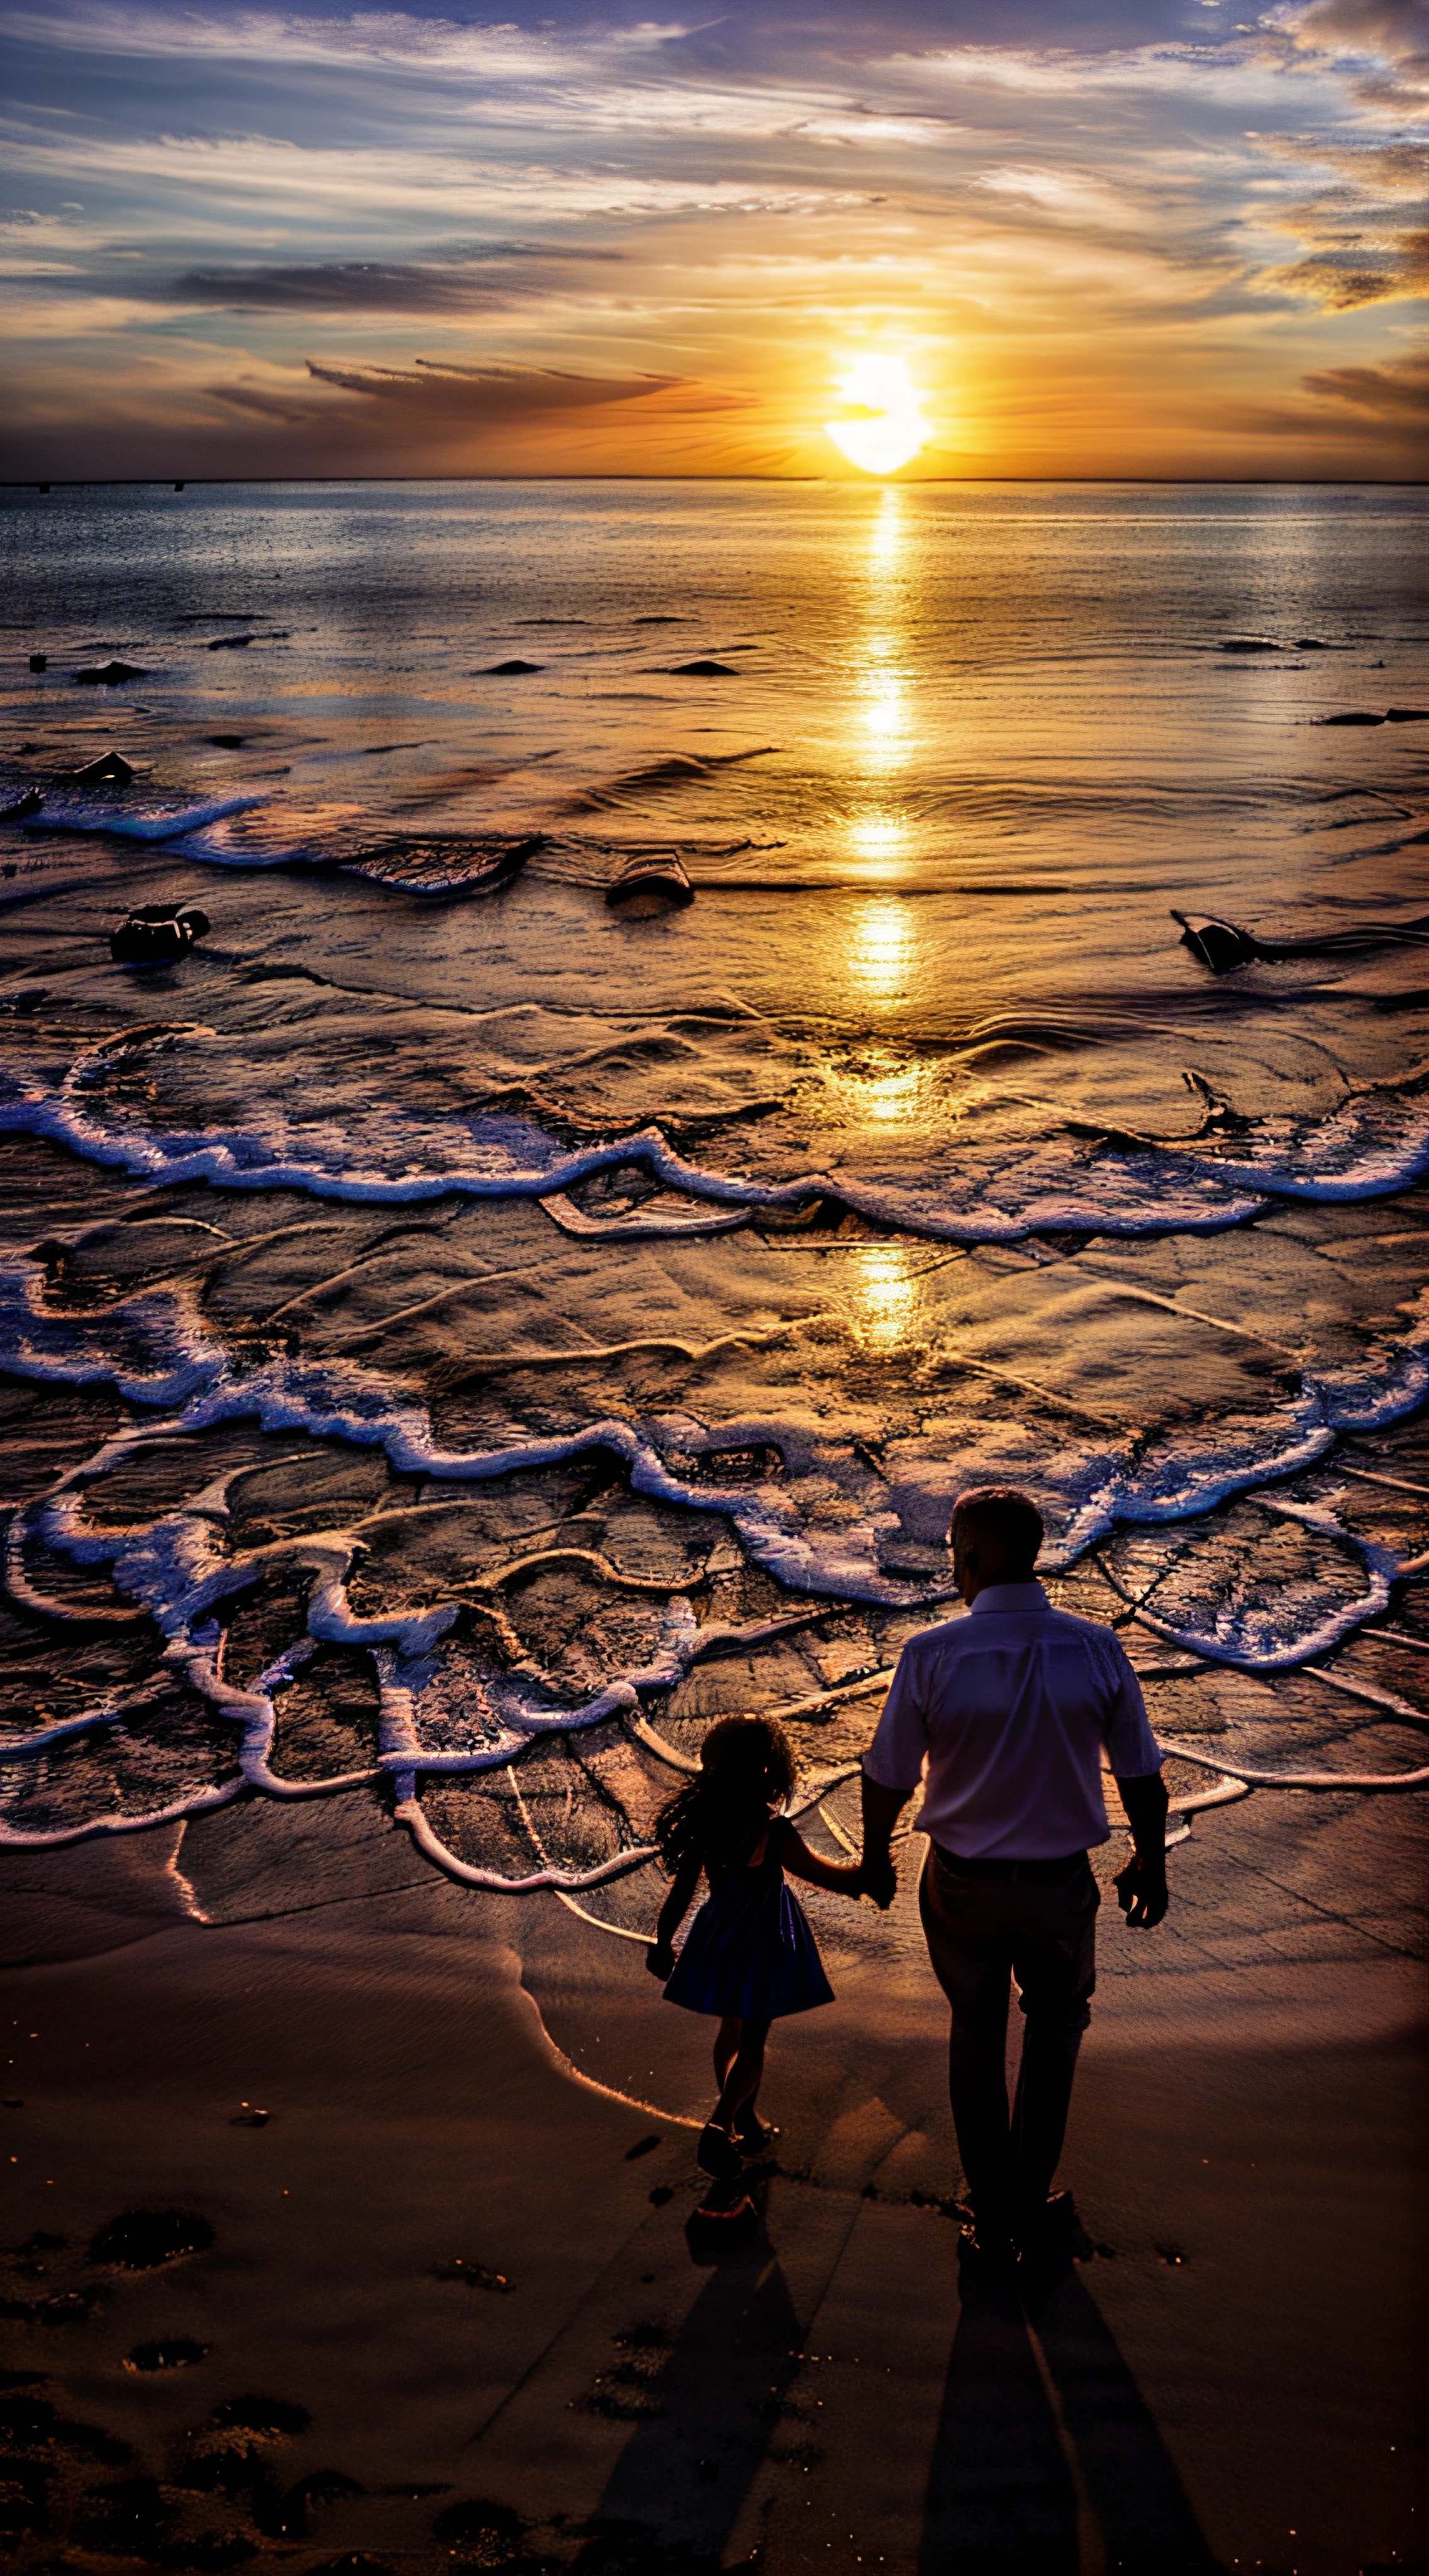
{"x": 885, "y": 1297}
{"x": 882, "y": 942}
{"x": 880, "y": 951}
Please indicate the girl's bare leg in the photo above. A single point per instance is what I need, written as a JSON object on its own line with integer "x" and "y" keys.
{"x": 743, "y": 2073}
{"x": 726, "y": 2048}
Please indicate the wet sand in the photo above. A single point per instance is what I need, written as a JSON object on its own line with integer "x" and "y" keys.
{"x": 1231, "y": 2376}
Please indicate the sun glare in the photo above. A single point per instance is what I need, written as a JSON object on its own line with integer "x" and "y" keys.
{"x": 889, "y": 428}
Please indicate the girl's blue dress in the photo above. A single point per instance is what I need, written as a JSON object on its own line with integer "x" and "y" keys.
{"x": 749, "y": 1951}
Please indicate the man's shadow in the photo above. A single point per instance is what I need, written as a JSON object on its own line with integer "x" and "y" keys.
{"x": 1002, "y": 2497}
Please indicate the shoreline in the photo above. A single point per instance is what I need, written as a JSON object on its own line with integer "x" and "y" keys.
{"x": 1234, "y": 2362}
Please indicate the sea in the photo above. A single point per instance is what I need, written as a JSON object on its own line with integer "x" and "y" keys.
{"x": 461, "y": 1336}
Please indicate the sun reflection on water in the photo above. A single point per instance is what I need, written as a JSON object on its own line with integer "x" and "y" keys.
{"x": 880, "y": 949}
{"x": 885, "y": 1298}
{"x": 887, "y": 532}
{"x": 879, "y": 837}
{"x": 884, "y": 718}
{"x": 882, "y": 733}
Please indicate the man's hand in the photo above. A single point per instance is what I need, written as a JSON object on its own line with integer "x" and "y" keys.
{"x": 1142, "y": 1893}
{"x": 660, "y": 1960}
{"x": 881, "y": 1810}
{"x": 879, "y": 1879}
{"x": 1141, "y": 1886}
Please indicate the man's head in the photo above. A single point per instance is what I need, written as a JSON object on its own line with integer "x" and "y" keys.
{"x": 994, "y": 1534}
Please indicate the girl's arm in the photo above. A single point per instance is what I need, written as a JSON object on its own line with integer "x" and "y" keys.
{"x": 660, "y": 1957}
{"x": 844, "y": 1877}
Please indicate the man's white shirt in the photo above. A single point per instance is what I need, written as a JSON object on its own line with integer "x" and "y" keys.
{"x": 1010, "y": 1707}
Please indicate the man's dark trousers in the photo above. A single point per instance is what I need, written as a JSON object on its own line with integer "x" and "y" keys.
{"x": 987, "y": 1922}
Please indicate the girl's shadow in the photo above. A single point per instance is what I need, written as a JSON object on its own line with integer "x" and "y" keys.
{"x": 675, "y": 2493}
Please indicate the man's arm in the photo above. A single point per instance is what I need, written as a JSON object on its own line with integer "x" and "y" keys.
{"x": 1141, "y": 1886}
{"x": 881, "y": 1811}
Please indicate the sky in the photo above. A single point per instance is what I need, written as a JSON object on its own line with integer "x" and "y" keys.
{"x": 1097, "y": 237}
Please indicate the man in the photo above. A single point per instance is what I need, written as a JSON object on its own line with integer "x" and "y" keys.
{"x": 1009, "y": 1710}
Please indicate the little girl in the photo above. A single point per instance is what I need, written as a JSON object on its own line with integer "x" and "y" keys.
{"x": 750, "y": 1955}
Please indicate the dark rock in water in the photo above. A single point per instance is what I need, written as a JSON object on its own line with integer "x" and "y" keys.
{"x": 509, "y": 670}
{"x": 141, "y": 2239}
{"x": 1250, "y": 644}
{"x": 1357, "y": 717}
{"x": 230, "y": 643}
{"x": 109, "y": 675}
{"x": 178, "y": 487}
{"x": 39, "y": 661}
{"x": 1406, "y": 715}
{"x": 664, "y": 617}
{"x": 110, "y": 770}
{"x": 29, "y": 803}
{"x": 42, "y": 487}
{"x": 156, "y": 934}
{"x": 1217, "y": 944}
{"x": 654, "y": 883}
{"x": 1310, "y": 644}
{"x": 704, "y": 670}
{"x": 227, "y": 741}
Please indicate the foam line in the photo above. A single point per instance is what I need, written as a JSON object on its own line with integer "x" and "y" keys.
{"x": 201, "y": 1803}
{"x": 409, "y": 1813}
{"x": 342, "y": 1400}
{"x": 115, "y": 822}
{"x": 1258, "y": 1779}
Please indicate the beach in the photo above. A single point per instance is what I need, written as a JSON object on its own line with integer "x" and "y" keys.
{"x": 455, "y": 1344}
{"x": 1233, "y": 2374}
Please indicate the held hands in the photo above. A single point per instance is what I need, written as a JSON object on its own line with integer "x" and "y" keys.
{"x": 1142, "y": 1893}
{"x": 878, "y": 1878}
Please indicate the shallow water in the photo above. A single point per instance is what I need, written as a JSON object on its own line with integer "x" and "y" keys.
{"x": 465, "y": 1340}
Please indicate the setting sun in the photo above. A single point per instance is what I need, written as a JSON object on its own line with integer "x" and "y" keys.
{"x": 889, "y": 427}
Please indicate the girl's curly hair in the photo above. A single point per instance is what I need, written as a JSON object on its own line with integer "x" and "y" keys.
{"x": 747, "y": 1769}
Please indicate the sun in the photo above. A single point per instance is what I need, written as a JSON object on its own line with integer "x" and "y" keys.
{"x": 889, "y": 427}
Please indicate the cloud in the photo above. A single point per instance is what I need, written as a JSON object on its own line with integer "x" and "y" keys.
{"x": 492, "y": 282}
{"x": 1339, "y": 280}
{"x": 478, "y": 396}
{"x": 1392, "y": 32}
{"x": 653, "y": 246}
{"x": 1392, "y": 393}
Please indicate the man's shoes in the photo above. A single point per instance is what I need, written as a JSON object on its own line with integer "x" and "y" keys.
{"x": 1047, "y": 2232}
{"x": 988, "y": 2255}
{"x": 1049, "y": 2239}
{"x": 750, "y": 2133}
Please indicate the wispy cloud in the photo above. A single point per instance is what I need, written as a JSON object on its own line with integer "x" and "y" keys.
{"x": 1391, "y": 393}
{"x": 655, "y": 246}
